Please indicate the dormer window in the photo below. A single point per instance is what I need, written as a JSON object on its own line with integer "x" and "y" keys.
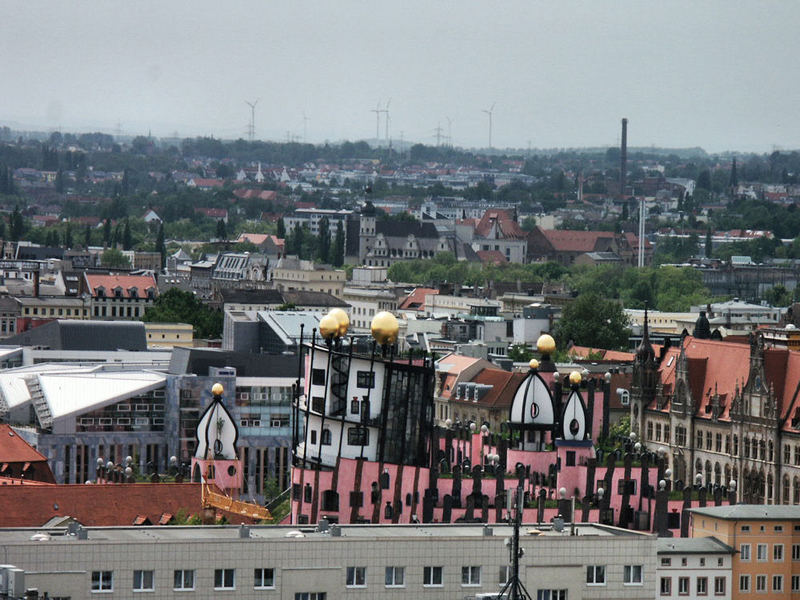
{"x": 100, "y": 292}
{"x": 151, "y": 293}
{"x": 133, "y": 292}
{"x": 118, "y": 292}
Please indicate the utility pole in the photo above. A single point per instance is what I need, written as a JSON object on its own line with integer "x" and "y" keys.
{"x": 385, "y": 111}
{"x": 377, "y": 110}
{"x": 438, "y": 132}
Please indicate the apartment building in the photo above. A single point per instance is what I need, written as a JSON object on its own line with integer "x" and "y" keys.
{"x": 766, "y": 541}
{"x": 694, "y": 567}
{"x": 329, "y": 563}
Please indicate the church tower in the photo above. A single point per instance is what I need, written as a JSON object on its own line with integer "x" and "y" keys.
{"x": 366, "y": 232}
{"x": 645, "y": 376}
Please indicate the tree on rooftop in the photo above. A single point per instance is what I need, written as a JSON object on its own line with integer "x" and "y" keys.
{"x": 114, "y": 259}
{"x": 178, "y": 306}
{"x": 592, "y": 321}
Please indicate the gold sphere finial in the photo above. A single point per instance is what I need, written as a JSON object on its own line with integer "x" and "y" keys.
{"x": 534, "y": 364}
{"x": 575, "y": 378}
{"x": 343, "y": 319}
{"x": 329, "y": 327}
{"x": 217, "y": 389}
{"x": 384, "y": 328}
{"x": 546, "y": 344}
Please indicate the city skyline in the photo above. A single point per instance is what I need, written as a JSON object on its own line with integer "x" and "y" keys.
{"x": 545, "y": 75}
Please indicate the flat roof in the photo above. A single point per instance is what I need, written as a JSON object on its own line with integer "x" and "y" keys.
{"x": 751, "y": 512}
{"x": 291, "y": 532}
{"x": 703, "y": 545}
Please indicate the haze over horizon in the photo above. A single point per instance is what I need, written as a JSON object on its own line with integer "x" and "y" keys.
{"x": 714, "y": 74}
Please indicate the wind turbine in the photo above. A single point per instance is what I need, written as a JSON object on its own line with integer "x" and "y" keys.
{"x": 305, "y": 121}
{"x": 377, "y": 110}
{"x": 489, "y": 112}
{"x": 251, "y": 129}
{"x": 386, "y": 112}
{"x": 449, "y": 131}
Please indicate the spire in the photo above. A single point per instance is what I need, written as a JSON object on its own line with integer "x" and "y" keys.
{"x": 645, "y": 350}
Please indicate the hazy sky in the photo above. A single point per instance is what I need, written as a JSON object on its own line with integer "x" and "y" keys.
{"x": 717, "y": 74}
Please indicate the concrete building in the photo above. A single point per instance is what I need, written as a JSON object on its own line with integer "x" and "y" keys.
{"x": 267, "y": 332}
{"x": 366, "y": 302}
{"x": 119, "y": 296}
{"x": 332, "y": 563}
{"x": 765, "y": 543}
{"x": 169, "y": 335}
{"x": 694, "y": 567}
{"x": 293, "y": 274}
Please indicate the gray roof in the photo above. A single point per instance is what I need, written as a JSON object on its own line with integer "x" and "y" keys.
{"x": 252, "y": 296}
{"x": 750, "y": 512}
{"x": 307, "y": 298}
{"x": 65, "y": 334}
{"x": 703, "y": 545}
{"x": 198, "y": 360}
{"x": 286, "y": 324}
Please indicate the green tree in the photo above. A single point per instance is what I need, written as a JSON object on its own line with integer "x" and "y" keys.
{"x": 222, "y": 233}
{"x": 114, "y": 259}
{"x": 127, "y": 241}
{"x": 178, "y": 306}
{"x": 324, "y": 241}
{"x": 338, "y": 246}
{"x": 107, "y": 232}
{"x": 709, "y": 244}
{"x": 592, "y": 321}
{"x": 68, "y": 236}
{"x": 520, "y": 353}
{"x": 87, "y": 237}
{"x": 161, "y": 246}
{"x": 281, "y": 233}
{"x": 17, "y": 224}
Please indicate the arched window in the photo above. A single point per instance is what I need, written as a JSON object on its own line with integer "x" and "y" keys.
{"x": 771, "y": 452}
{"x": 746, "y": 447}
{"x": 717, "y": 474}
{"x": 727, "y": 475}
{"x": 707, "y": 478}
{"x": 762, "y": 449}
{"x": 796, "y": 490}
{"x": 325, "y": 439}
{"x": 736, "y": 445}
{"x": 770, "y": 488}
{"x": 785, "y": 490}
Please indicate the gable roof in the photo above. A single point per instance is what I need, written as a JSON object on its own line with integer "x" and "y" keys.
{"x": 504, "y": 386}
{"x": 14, "y": 449}
{"x": 126, "y": 282}
{"x": 416, "y": 299}
{"x": 565, "y": 240}
{"x": 506, "y": 226}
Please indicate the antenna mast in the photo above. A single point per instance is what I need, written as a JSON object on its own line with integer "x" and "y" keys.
{"x": 251, "y": 128}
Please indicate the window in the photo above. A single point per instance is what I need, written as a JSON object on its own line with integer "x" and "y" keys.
{"x": 311, "y": 596}
{"x": 744, "y": 583}
{"x": 761, "y": 552}
{"x": 665, "y": 562}
{"x": 357, "y": 436}
{"x": 263, "y": 578}
{"x": 325, "y": 439}
{"x": 395, "y": 576}
{"x": 683, "y": 586}
{"x": 551, "y": 594}
{"x": 702, "y": 561}
{"x": 102, "y": 581}
{"x": 796, "y": 583}
{"x": 143, "y": 581}
{"x": 744, "y": 552}
{"x": 777, "y": 583}
{"x": 318, "y": 376}
{"x": 777, "y": 552}
{"x": 365, "y": 379}
{"x": 184, "y": 579}
{"x": 503, "y": 575}
{"x": 432, "y": 576}
{"x": 225, "y": 579}
{"x": 684, "y": 561}
{"x": 356, "y": 577}
{"x": 719, "y": 586}
{"x": 795, "y": 551}
{"x": 596, "y": 575}
{"x": 702, "y": 586}
{"x": 761, "y": 583}
{"x": 470, "y": 575}
{"x": 666, "y": 586}
{"x": 633, "y": 575}
{"x": 745, "y": 527}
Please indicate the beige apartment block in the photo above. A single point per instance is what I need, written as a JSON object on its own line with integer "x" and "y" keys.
{"x": 353, "y": 561}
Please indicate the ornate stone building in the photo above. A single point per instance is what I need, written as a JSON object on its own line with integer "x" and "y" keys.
{"x": 729, "y": 411}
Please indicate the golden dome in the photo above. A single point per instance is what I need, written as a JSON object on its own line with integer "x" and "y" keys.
{"x": 575, "y": 378}
{"x": 384, "y": 328}
{"x": 344, "y": 320}
{"x": 534, "y": 364}
{"x": 217, "y": 389}
{"x": 546, "y": 344}
{"x": 329, "y": 327}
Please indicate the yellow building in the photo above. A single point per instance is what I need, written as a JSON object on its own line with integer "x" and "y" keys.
{"x": 766, "y": 539}
{"x": 169, "y": 335}
{"x": 292, "y": 274}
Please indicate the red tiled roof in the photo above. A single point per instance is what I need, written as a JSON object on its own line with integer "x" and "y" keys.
{"x": 110, "y": 282}
{"x": 13, "y": 449}
{"x": 214, "y": 213}
{"x": 504, "y": 386}
{"x": 97, "y": 505}
{"x": 416, "y": 299}
{"x": 494, "y": 257}
{"x": 564, "y": 240}
{"x": 506, "y": 225}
